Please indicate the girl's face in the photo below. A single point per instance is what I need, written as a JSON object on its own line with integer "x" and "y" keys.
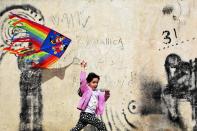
{"x": 94, "y": 83}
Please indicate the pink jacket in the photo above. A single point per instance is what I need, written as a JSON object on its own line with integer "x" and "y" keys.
{"x": 87, "y": 93}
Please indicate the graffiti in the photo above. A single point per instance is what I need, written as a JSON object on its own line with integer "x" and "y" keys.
{"x": 108, "y": 42}
{"x": 109, "y": 123}
{"x": 170, "y": 40}
{"x": 132, "y": 107}
{"x": 2, "y": 55}
{"x": 119, "y": 119}
{"x": 151, "y": 96}
{"x": 129, "y": 123}
{"x": 180, "y": 91}
{"x": 175, "y": 32}
{"x": 31, "y": 99}
{"x": 115, "y": 123}
{"x": 105, "y": 42}
{"x": 180, "y": 42}
{"x": 167, "y": 38}
{"x": 30, "y": 79}
{"x": 76, "y": 19}
{"x": 178, "y": 10}
{"x": 26, "y": 11}
{"x": 167, "y": 10}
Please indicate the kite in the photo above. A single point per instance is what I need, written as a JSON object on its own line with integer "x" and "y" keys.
{"x": 45, "y": 46}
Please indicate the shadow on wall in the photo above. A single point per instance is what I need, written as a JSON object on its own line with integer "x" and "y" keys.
{"x": 50, "y": 73}
{"x": 58, "y": 72}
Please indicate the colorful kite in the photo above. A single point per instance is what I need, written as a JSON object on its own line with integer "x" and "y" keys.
{"x": 45, "y": 46}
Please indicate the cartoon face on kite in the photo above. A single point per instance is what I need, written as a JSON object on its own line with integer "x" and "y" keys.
{"x": 45, "y": 46}
{"x": 58, "y": 39}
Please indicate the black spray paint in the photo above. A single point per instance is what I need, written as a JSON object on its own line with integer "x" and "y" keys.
{"x": 180, "y": 87}
{"x": 25, "y": 7}
{"x": 30, "y": 79}
{"x": 167, "y": 10}
{"x": 113, "y": 120}
{"x": 151, "y": 100}
{"x": 31, "y": 100}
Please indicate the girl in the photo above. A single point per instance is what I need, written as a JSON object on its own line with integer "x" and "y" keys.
{"x": 92, "y": 101}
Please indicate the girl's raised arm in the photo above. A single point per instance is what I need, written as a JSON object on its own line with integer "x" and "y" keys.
{"x": 83, "y": 82}
{"x": 83, "y": 71}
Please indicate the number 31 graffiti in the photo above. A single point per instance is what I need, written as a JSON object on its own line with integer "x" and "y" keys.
{"x": 167, "y": 36}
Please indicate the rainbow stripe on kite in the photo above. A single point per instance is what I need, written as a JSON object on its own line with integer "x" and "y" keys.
{"x": 46, "y": 46}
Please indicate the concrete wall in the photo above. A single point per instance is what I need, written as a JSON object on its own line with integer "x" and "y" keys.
{"x": 122, "y": 41}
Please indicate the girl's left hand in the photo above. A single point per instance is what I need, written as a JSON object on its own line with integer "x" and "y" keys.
{"x": 83, "y": 65}
{"x": 107, "y": 94}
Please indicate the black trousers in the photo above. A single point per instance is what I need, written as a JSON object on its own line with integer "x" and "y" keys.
{"x": 88, "y": 118}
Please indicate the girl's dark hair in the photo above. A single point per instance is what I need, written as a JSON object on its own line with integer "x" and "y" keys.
{"x": 91, "y": 76}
